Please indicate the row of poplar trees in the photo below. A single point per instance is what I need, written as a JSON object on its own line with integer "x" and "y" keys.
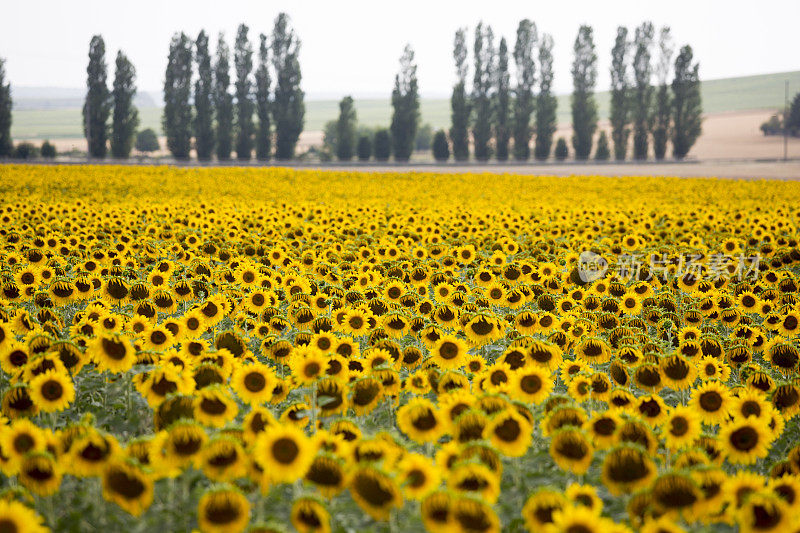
{"x": 496, "y": 111}
{"x": 220, "y": 122}
{"x": 668, "y": 111}
{"x": 501, "y": 120}
{"x": 116, "y": 104}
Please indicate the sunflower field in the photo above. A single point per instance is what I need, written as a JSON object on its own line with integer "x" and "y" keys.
{"x": 264, "y": 350}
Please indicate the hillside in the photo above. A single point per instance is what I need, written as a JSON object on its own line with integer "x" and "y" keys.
{"x": 58, "y": 116}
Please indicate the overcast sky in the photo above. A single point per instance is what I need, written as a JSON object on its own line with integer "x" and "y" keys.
{"x": 353, "y": 46}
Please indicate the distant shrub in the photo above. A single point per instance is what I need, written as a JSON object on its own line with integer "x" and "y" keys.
{"x": 147, "y": 141}
{"x": 562, "y": 152}
{"x": 26, "y": 150}
{"x": 602, "y": 152}
{"x": 364, "y": 148}
{"x": 441, "y": 149}
{"x": 383, "y": 145}
{"x": 774, "y": 126}
{"x": 49, "y": 150}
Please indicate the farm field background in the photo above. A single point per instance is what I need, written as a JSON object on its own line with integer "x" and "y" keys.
{"x": 340, "y": 351}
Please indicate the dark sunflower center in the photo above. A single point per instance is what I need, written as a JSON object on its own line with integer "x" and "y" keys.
{"x": 129, "y": 487}
{"x": 372, "y": 491}
{"x": 52, "y": 390}
{"x": 744, "y": 439}
{"x": 424, "y": 421}
{"x": 285, "y": 450}
{"x": 448, "y": 350}
{"x": 710, "y": 401}
{"x": 255, "y": 382}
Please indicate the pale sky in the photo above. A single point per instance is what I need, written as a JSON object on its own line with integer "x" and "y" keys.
{"x": 353, "y": 46}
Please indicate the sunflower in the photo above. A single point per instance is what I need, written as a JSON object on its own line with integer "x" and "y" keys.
{"x": 539, "y": 508}
{"x": 571, "y": 518}
{"x": 531, "y": 385}
{"x": 15, "y": 516}
{"x": 162, "y": 382}
{"x": 764, "y": 513}
{"x": 470, "y": 426}
{"x": 787, "y": 488}
{"x": 678, "y": 373}
{"x": 745, "y": 441}
{"x": 571, "y": 450}
{"x": 510, "y": 433}
{"x": 374, "y": 491}
{"x": 297, "y": 414}
{"x": 181, "y": 445}
{"x": 580, "y": 387}
{"x": 40, "y": 473}
{"x": 483, "y": 329}
{"x": 789, "y": 325}
{"x": 13, "y": 355}
{"x": 648, "y": 377}
{"x": 711, "y": 368}
{"x": 652, "y": 409}
{"x": 223, "y": 510}
{"x": 253, "y": 383}
{"x": 20, "y": 438}
{"x": 328, "y": 474}
{"x": 309, "y": 516}
{"x": 223, "y": 459}
{"x": 17, "y": 402}
{"x": 593, "y": 350}
{"x": 355, "y": 322}
{"x": 365, "y": 395}
{"x": 627, "y": 468}
{"x": 90, "y": 453}
{"x": 52, "y": 391}
{"x": 473, "y": 515}
{"x": 436, "y": 511}
{"x": 284, "y": 452}
{"x": 128, "y": 486}
{"x": 712, "y": 401}
{"x": 256, "y": 421}
{"x": 449, "y": 352}
{"x": 602, "y": 428}
{"x": 308, "y": 364}
{"x": 681, "y": 427}
{"x": 675, "y": 492}
{"x": 420, "y": 421}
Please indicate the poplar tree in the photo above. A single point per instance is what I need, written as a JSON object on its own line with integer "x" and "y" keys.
{"x": 546, "y": 102}
{"x": 502, "y": 100}
{"x": 643, "y": 90}
{"x": 662, "y": 119}
{"x": 459, "y": 103}
{"x": 405, "y": 105}
{"x": 482, "y": 91}
{"x": 223, "y": 100}
{"x": 620, "y": 91}
{"x": 264, "y": 131}
{"x": 525, "y": 102}
{"x": 243, "y": 61}
{"x": 687, "y": 105}
{"x": 177, "y": 118}
{"x": 6, "y": 144}
{"x": 584, "y": 106}
{"x": 346, "y": 130}
{"x": 97, "y": 106}
{"x": 203, "y": 100}
{"x": 125, "y": 118}
{"x": 288, "y": 111}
